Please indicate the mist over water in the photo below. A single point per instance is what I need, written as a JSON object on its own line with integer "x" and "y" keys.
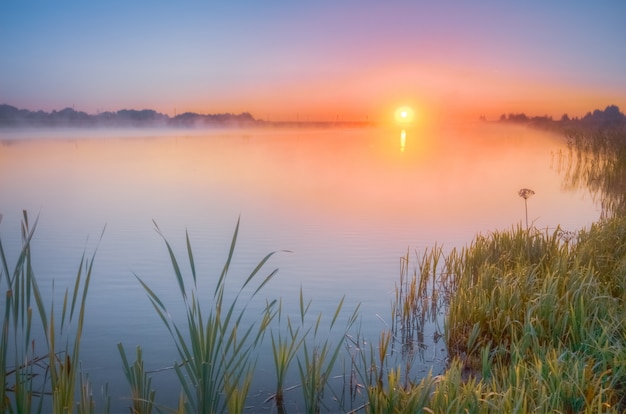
{"x": 347, "y": 203}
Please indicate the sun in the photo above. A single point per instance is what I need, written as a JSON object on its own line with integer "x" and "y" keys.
{"x": 404, "y": 115}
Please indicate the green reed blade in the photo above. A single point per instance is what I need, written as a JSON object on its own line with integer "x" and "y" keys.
{"x": 192, "y": 263}
{"x": 151, "y": 294}
{"x": 220, "y": 283}
{"x": 337, "y": 310}
{"x": 64, "y": 307}
{"x": 76, "y": 288}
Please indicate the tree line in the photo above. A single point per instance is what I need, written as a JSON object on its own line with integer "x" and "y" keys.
{"x": 11, "y": 116}
{"x": 609, "y": 117}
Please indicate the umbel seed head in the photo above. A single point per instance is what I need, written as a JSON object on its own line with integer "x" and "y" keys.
{"x": 525, "y": 193}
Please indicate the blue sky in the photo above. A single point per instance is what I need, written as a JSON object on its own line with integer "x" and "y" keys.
{"x": 319, "y": 60}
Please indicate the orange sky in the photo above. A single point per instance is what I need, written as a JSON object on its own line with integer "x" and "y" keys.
{"x": 317, "y": 61}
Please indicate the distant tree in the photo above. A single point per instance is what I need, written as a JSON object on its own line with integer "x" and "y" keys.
{"x": 611, "y": 116}
{"x": 613, "y": 112}
{"x": 9, "y": 115}
{"x": 68, "y": 116}
{"x": 565, "y": 118}
{"x": 518, "y": 117}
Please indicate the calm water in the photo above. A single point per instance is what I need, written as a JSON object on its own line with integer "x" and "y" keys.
{"x": 346, "y": 203}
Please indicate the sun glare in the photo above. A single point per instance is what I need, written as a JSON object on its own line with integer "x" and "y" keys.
{"x": 404, "y": 115}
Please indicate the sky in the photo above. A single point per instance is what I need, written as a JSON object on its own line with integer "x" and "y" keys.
{"x": 350, "y": 60}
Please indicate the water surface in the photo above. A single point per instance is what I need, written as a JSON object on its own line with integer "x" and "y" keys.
{"x": 347, "y": 204}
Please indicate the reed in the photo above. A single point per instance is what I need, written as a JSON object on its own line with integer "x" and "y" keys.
{"x": 318, "y": 361}
{"x": 535, "y": 323}
{"x": 140, "y": 383}
{"x": 86, "y": 403}
{"x": 417, "y": 300}
{"x": 537, "y": 320}
{"x": 214, "y": 349}
{"x": 59, "y": 367}
{"x": 237, "y": 391}
{"x": 19, "y": 363}
{"x": 64, "y": 363}
{"x": 596, "y": 161}
{"x": 396, "y": 397}
{"x": 284, "y": 349}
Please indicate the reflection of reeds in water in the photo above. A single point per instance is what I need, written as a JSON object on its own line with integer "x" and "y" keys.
{"x": 596, "y": 161}
{"x": 416, "y": 301}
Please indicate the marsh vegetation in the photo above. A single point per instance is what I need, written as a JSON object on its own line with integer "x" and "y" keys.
{"x": 532, "y": 320}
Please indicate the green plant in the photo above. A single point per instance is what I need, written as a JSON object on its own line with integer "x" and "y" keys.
{"x": 63, "y": 364}
{"x": 318, "y": 361}
{"x": 22, "y": 366}
{"x": 215, "y": 350}
{"x": 417, "y": 300}
{"x": 237, "y": 391}
{"x": 531, "y": 316}
{"x": 526, "y": 193}
{"x": 86, "y": 404}
{"x": 393, "y": 396}
{"x": 140, "y": 383}
{"x": 60, "y": 366}
{"x": 284, "y": 349}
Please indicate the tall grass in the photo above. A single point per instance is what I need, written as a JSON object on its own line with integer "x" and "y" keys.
{"x": 55, "y": 373}
{"x": 535, "y": 323}
{"x": 318, "y": 359}
{"x": 214, "y": 349}
{"x": 217, "y": 362}
{"x": 140, "y": 382}
{"x": 285, "y": 347}
{"x": 64, "y": 362}
{"x": 19, "y": 363}
{"x": 596, "y": 161}
{"x": 417, "y": 300}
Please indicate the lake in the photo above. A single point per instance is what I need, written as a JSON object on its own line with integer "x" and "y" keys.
{"x": 345, "y": 203}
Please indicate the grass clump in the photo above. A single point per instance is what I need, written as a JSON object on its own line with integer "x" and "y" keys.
{"x": 318, "y": 360}
{"x": 596, "y": 161}
{"x": 19, "y": 363}
{"x": 547, "y": 319}
{"x": 27, "y": 375}
{"x": 215, "y": 364}
{"x": 217, "y": 358}
{"x": 284, "y": 349}
{"x": 140, "y": 382}
{"x": 535, "y": 322}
